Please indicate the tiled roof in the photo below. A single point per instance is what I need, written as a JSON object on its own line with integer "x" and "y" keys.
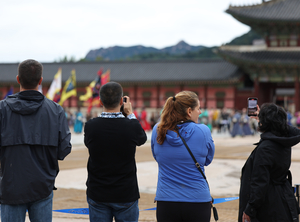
{"x": 135, "y": 72}
{"x": 283, "y": 10}
{"x": 264, "y": 57}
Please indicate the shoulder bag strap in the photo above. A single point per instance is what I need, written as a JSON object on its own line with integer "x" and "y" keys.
{"x": 192, "y": 155}
{"x": 215, "y": 213}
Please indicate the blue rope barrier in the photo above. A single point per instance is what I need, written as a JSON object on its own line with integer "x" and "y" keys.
{"x": 74, "y": 211}
{"x": 223, "y": 200}
{"x": 86, "y": 210}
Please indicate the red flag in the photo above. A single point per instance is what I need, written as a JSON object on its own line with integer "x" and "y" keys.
{"x": 94, "y": 100}
{"x": 105, "y": 78}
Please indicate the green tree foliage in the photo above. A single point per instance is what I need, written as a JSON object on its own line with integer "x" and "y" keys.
{"x": 246, "y": 39}
{"x": 204, "y": 53}
{"x": 65, "y": 59}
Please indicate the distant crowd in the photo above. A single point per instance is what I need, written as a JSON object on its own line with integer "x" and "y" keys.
{"x": 234, "y": 122}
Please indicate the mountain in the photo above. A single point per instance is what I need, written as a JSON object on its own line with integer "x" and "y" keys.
{"x": 181, "y": 50}
{"x": 119, "y": 52}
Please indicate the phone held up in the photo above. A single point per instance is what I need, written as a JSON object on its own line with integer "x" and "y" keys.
{"x": 122, "y": 106}
{"x": 252, "y": 106}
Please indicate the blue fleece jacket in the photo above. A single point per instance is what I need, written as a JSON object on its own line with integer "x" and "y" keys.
{"x": 178, "y": 178}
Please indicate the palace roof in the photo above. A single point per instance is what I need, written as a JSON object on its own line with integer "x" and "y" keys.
{"x": 275, "y": 10}
{"x": 130, "y": 72}
{"x": 267, "y": 57}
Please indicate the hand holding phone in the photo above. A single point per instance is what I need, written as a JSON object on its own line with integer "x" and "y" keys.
{"x": 252, "y": 106}
{"x": 127, "y": 105}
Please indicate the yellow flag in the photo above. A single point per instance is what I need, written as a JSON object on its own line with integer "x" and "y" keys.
{"x": 69, "y": 88}
{"x": 89, "y": 92}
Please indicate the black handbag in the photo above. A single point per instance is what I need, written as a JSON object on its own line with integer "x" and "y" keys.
{"x": 215, "y": 212}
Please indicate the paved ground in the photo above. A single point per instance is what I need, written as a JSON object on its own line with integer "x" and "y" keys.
{"x": 223, "y": 175}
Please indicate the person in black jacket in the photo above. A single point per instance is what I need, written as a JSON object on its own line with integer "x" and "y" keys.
{"x": 34, "y": 136}
{"x": 266, "y": 192}
{"x": 111, "y": 139}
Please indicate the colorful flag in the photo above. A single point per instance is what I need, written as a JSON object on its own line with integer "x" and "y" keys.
{"x": 10, "y": 92}
{"x": 69, "y": 88}
{"x": 55, "y": 86}
{"x": 89, "y": 92}
{"x": 105, "y": 78}
{"x": 91, "y": 89}
{"x": 94, "y": 100}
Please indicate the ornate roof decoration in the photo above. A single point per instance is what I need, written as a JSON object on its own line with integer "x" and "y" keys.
{"x": 275, "y": 10}
{"x": 267, "y": 57}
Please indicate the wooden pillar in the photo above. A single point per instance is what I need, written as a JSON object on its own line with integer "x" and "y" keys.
{"x": 235, "y": 98}
{"x": 268, "y": 43}
{"x": 158, "y": 96}
{"x": 135, "y": 99}
{"x": 70, "y": 101}
{"x": 205, "y": 97}
{"x": 181, "y": 87}
{"x": 297, "y": 91}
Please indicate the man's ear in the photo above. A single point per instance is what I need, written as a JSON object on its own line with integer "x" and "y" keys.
{"x": 18, "y": 80}
{"x": 101, "y": 103}
{"x": 40, "y": 82}
{"x": 121, "y": 101}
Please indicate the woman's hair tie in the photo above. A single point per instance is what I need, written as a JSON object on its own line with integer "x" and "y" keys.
{"x": 174, "y": 98}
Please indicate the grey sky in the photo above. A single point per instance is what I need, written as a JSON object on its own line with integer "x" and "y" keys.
{"x": 48, "y": 30}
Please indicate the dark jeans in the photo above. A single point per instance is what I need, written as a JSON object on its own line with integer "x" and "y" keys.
{"x": 38, "y": 211}
{"x": 183, "y": 211}
{"x": 105, "y": 212}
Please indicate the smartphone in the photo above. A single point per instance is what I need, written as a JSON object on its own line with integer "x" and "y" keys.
{"x": 124, "y": 99}
{"x": 252, "y": 106}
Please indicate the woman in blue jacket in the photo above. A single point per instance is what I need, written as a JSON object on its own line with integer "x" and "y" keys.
{"x": 182, "y": 193}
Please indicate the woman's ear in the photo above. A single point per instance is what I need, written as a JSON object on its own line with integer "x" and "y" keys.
{"x": 189, "y": 111}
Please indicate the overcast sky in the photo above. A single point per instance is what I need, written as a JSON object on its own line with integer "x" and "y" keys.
{"x": 48, "y": 30}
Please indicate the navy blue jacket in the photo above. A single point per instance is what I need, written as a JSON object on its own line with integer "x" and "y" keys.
{"x": 34, "y": 136}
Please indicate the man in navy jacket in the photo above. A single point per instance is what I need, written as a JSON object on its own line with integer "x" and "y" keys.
{"x": 112, "y": 188}
{"x": 34, "y": 136}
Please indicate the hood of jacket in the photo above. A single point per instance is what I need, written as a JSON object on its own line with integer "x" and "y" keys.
{"x": 291, "y": 140}
{"x": 186, "y": 130}
{"x": 25, "y": 102}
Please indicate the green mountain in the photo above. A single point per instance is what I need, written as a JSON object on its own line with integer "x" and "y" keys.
{"x": 124, "y": 53}
{"x": 202, "y": 53}
{"x": 182, "y": 50}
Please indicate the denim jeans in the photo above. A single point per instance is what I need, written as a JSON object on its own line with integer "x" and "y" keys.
{"x": 38, "y": 211}
{"x": 104, "y": 212}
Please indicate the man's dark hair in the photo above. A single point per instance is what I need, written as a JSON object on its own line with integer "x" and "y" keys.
{"x": 111, "y": 94}
{"x": 30, "y": 73}
{"x": 273, "y": 118}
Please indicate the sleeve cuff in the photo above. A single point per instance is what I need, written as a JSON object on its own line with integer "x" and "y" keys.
{"x": 250, "y": 211}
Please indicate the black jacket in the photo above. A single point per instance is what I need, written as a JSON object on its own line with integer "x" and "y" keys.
{"x": 111, "y": 166}
{"x": 34, "y": 135}
{"x": 265, "y": 192}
